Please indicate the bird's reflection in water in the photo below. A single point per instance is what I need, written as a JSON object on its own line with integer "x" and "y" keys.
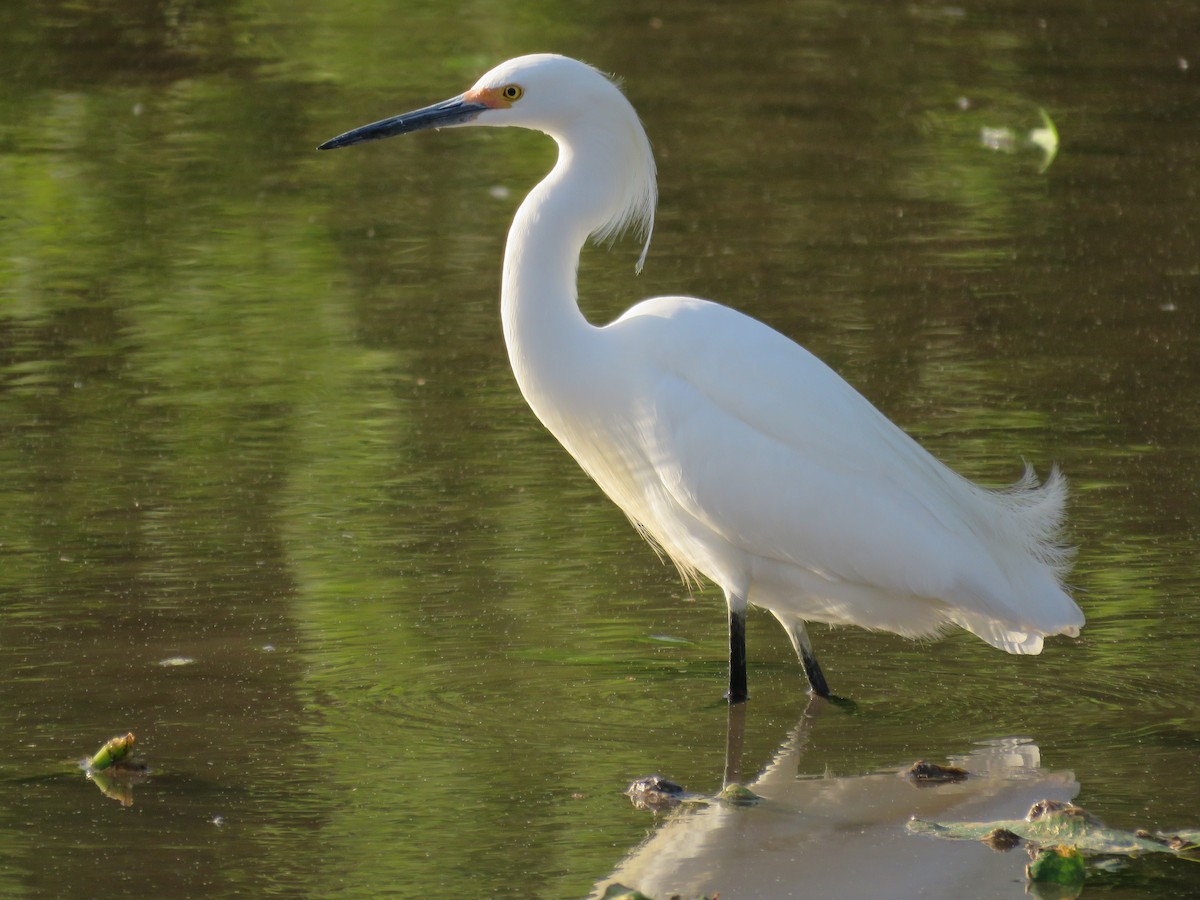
{"x": 844, "y": 836}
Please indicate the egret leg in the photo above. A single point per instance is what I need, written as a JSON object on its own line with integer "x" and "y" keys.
{"x": 816, "y": 678}
{"x": 799, "y": 635}
{"x": 737, "y": 656}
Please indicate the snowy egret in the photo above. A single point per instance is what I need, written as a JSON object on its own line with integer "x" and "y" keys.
{"x": 733, "y": 450}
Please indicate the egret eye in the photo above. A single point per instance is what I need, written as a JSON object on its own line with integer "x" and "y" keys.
{"x": 512, "y": 92}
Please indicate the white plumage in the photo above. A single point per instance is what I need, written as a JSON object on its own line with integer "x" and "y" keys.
{"x": 738, "y": 453}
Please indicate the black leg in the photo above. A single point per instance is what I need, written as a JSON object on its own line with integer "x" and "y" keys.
{"x": 799, "y": 635}
{"x": 737, "y": 658}
{"x": 816, "y": 678}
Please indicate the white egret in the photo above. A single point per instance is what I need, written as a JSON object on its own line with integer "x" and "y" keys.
{"x": 733, "y": 450}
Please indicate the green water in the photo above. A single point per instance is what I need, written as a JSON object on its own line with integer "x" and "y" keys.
{"x": 256, "y": 418}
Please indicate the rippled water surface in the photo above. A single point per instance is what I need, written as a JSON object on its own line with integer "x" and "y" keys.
{"x": 269, "y": 497}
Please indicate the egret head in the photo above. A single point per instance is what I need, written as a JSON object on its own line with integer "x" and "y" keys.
{"x": 568, "y": 100}
{"x": 544, "y": 92}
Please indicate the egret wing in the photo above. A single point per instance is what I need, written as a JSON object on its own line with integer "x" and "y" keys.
{"x": 759, "y": 442}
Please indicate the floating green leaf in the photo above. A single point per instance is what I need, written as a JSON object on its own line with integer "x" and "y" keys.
{"x": 1057, "y": 865}
{"x": 113, "y": 752}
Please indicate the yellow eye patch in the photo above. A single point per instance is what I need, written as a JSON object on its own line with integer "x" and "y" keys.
{"x": 496, "y": 98}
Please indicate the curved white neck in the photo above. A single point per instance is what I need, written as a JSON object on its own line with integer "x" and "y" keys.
{"x": 544, "y": 329}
